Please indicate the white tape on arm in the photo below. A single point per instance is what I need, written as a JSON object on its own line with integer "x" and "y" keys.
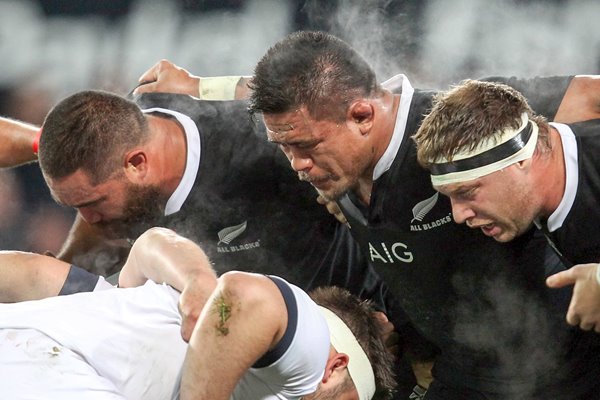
{"x": 218, "y": 87}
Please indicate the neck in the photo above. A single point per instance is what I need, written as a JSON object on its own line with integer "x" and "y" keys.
{"x": 170, "y": 151}
{"x": 363, "y": 191}
{"x": 553, "y": 165}
{"x": 386, "y": 110}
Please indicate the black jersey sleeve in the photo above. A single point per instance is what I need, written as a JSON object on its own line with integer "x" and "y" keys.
{"x": 544, "y": 94}
{"x": 78, "y": 281}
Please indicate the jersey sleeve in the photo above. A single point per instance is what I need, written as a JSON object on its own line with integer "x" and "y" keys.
{"x": 544, "y": 94}
{"x": 295, "y": 367}
{"x": 79, "y": 280}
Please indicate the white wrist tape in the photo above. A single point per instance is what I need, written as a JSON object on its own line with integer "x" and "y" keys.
{"x": 218, "y": 87}
{"x": 598, "y": 273}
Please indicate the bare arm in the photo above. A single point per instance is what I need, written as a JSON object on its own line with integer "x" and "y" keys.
{"x": 87, "y": 247}
{"x": 244, "y": 318}
{"x": 581, "y": 101}
{"x": 163, "y": 256}
{"x": 165, "y": 76}
{"x": 16, "y": 139}
{"x": 29, "y": 276}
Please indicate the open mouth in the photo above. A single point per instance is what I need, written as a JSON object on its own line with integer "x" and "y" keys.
{"x": 490, "y": 229}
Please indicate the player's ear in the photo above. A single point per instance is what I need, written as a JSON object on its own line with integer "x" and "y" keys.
{"x": 362, "y": 113}
{"x": 524, "y": 165}
{"x": 136, "y": 165}
{"x": 336, "y": 364}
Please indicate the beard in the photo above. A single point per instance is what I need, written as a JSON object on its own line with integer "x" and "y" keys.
{"x": 331, "y": 194}
{"x": 144, "y": 207}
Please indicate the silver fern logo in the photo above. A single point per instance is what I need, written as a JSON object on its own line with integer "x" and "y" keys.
{"x": 226, "y": 235}
{"x": 421, "y": 209}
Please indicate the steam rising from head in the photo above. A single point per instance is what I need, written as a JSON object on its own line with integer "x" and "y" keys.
{"x": 438, "y": 42}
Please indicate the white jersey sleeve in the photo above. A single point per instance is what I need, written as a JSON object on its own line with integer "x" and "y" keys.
{"x": 296, "y": 366}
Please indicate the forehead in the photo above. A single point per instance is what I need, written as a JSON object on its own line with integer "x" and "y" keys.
{"x": 291, "y": 126}
{"x": 457, "y": 187}
{"x": 75, "y": 188}
{"x": 489, "y": 181}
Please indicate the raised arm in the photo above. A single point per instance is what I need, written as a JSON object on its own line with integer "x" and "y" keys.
{"x": 161, "y": 255}
{"x": 165, "y": 76}
{"x": 244, "y": 318}
{"x": 16, "y": 140}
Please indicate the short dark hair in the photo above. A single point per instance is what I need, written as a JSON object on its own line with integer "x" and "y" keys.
{"x": 467, "y": 114}
{"x": 90, "y": 130}
{"x": 312, "y": 69}
{"x": 357, "y": 314}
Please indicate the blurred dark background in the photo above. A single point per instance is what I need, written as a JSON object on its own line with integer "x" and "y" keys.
{"x": 52, "y": 48}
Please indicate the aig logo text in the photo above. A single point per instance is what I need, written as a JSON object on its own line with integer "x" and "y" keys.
{"x": 394, "y": 253}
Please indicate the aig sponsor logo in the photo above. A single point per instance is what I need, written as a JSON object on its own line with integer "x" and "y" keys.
{"x": 385, "y": 253}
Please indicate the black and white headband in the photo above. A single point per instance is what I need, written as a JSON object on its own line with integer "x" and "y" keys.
{"x": 493, "y": 154}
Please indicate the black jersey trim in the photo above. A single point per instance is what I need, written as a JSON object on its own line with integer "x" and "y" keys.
{"x": 78, "y": 281}
{"x": 292, "y": 310}
{"x": 488, "y": 157}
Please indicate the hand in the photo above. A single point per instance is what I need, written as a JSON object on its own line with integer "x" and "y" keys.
{"x": 423, "y": 375}
{"x": 191, "y": 302}
{"x": 333, "y": 209}
{"x": 389, "y": 334}
{"x": 164, "y": 76}
{"x": 584, "y": 309}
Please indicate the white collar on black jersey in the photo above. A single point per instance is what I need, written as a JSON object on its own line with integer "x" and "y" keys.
{"x": 397, "y": 81}
{"x": 569, "y": 144}
{"x": 192, "y": 163}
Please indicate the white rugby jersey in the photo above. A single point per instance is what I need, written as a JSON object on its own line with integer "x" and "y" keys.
{"x": 116, "y": 343}
{"x": 126, "y": 344}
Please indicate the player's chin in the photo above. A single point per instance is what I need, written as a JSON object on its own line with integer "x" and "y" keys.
{"x": 329, "y": 191}
{"x": 505, "y": 236}
{"x": 114, "y": 230}
{"x": 498, "y": 233}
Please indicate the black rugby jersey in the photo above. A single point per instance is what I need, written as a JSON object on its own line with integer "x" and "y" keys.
{"x": 248, "y": 210}
{"x": 483, "y": 303}
{"x": 578, "y": 238}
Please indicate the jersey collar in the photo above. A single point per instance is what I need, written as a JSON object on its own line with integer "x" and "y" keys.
{"x": 569, "y": 143}
{"x": 192, "y": 136}
{"x": 398, "y": 82}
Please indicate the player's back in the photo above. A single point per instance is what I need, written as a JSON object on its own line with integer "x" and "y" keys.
{"x": 106, "y": 343}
